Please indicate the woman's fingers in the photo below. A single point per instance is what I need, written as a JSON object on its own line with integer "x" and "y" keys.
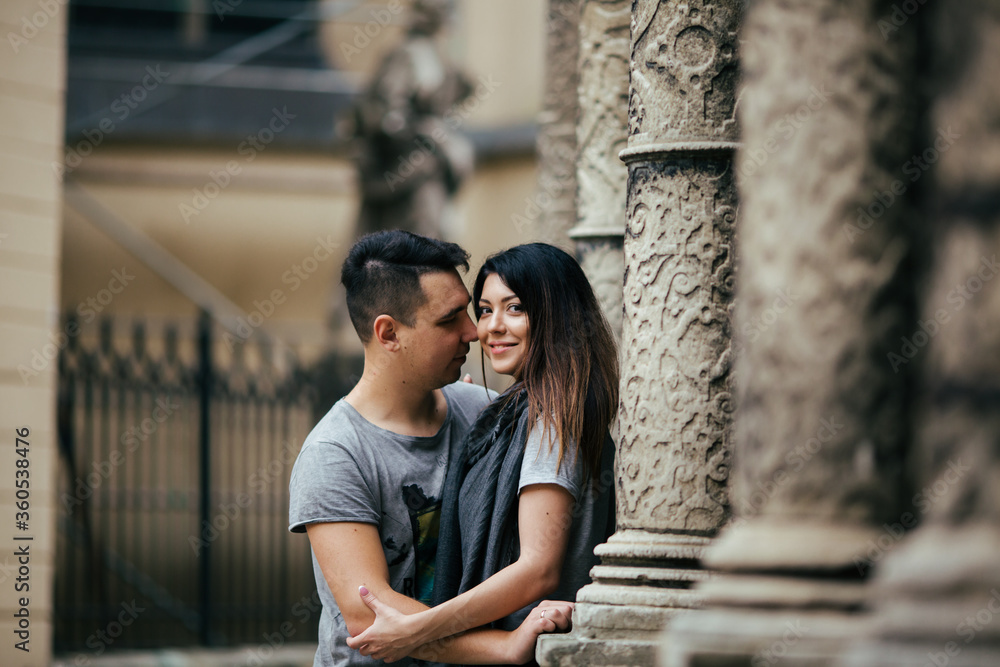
{"x": 562, "y": 605}
{"x": 556, "y": 603}
{"x": 546, "y": 625}
{"x": 554, "y": 616}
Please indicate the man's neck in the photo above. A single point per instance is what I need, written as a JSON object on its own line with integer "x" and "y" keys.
{"x": 398, "y": 406}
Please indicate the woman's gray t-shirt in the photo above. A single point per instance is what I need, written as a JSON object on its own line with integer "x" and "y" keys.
{"x": 351, "y": 470}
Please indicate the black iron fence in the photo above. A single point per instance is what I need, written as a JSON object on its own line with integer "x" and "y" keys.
{"x": 175, "y": 452}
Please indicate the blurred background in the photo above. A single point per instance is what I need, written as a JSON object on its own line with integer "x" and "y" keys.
{"x": 208, "y": 200}
{"x": 224, "y": 73}
{"x": 178, "y": 189}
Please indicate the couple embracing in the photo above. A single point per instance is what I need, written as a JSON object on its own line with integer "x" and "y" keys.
{"x": 448, "y": 523}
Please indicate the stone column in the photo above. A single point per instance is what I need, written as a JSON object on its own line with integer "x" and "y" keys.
{"x": 829, "y": 246}
{"x": 676, "y": 406}
{"x": 557, "y": 126}
{"x": 601, "y": 134}
{"x": 937, "y": 594}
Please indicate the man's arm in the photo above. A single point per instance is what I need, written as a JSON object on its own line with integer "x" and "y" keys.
{"x": 350, "y": 555}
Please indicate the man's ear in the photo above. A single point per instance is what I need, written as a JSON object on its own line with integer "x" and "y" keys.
{"x": 385, "y": 329}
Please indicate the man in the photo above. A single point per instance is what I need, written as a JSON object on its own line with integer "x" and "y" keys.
{"x": 367, "y": 484}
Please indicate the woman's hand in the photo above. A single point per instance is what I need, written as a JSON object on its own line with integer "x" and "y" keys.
{"x": 548, "y": 616}
{"x": 391, "y": 637}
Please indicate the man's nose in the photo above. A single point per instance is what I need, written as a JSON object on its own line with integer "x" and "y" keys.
{"x": 470, "y": 334}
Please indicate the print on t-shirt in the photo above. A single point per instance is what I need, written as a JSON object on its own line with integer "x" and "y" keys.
{"x": 425, "y": 521}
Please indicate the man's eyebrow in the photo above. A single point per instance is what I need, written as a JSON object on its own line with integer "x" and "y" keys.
{"x": 455, "y": 311}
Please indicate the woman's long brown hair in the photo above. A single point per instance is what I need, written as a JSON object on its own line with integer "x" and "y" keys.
{"x": 570, "y": 369}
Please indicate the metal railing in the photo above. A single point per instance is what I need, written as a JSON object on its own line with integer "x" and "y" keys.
{"x": 175, "y": 453}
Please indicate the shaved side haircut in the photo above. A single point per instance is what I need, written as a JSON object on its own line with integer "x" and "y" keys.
{"x": 382, "y": 275}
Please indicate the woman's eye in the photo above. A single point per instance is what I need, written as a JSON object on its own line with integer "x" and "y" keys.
{"x": 515, "y": 308}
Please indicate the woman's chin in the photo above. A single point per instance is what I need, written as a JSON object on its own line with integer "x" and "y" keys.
{"x": 502, "y": 369}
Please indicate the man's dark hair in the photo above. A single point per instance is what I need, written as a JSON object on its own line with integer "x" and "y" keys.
{"x": 382, "y": 275}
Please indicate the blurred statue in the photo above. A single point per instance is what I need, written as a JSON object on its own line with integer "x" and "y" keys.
{"x": 411, "y": 160}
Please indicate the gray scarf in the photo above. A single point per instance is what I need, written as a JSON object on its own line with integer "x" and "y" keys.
{"x": 479, "y": 534}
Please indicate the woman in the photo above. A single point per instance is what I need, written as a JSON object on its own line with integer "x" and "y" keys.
{"x": 531, "y": 494}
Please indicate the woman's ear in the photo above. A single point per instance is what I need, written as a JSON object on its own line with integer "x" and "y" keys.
{"x": 385, "y": 330}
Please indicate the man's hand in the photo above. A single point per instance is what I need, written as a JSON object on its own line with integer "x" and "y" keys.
{"x": 548, "y": 616}
{"x": 390, "y": 637}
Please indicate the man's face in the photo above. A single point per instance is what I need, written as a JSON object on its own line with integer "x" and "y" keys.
{"x": 436, "y": 345}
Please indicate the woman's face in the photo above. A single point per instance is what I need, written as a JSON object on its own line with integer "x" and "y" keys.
{"x": 503, "y": 326}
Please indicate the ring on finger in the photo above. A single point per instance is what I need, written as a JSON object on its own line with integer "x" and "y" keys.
{"x": 543, "y": 613}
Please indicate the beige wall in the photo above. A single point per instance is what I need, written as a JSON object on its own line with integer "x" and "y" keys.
{"x": 505, "y": 40}
{"x": 255, "y": 231}
{"x": 32, "y": 75}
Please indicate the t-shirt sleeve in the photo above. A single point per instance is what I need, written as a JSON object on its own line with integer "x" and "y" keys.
{"x": 328, "y": 484}
{"x": 541, "y": 463}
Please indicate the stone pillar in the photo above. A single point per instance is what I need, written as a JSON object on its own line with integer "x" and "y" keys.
{"x": 601, "y": 135}
{"x": 937, "y": 595}
{"x": 828, "y": 247}
{"x": 33, "y": 80}
{"x": 557, "y": 127}
{"x": 676, "y": 406}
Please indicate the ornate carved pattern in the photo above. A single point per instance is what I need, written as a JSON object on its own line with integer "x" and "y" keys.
{"x": 676, "y": 407}
{"x": 601, "y": 136}
{"x": 604, "y": 264}
{"x": 601, "y": 132}
{"x": 684, "y": 70}
{"x": 557, "y": 148}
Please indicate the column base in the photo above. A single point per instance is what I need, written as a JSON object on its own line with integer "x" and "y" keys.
{"x": 572, "y": 651}
{"x": 785, "y": 593}
{"x": 755, "y": 638}
{"x": 643, "y": 581}
{"x": 937, "y": 601}
{"x": 909, "y": 654}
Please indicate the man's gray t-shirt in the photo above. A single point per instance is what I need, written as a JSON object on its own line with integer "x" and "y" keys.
{"x": 351, "y": 470}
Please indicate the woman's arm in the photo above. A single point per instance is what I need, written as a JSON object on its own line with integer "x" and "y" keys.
{"x": 544, "y": 520}
{"x": 483, "y": 646}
